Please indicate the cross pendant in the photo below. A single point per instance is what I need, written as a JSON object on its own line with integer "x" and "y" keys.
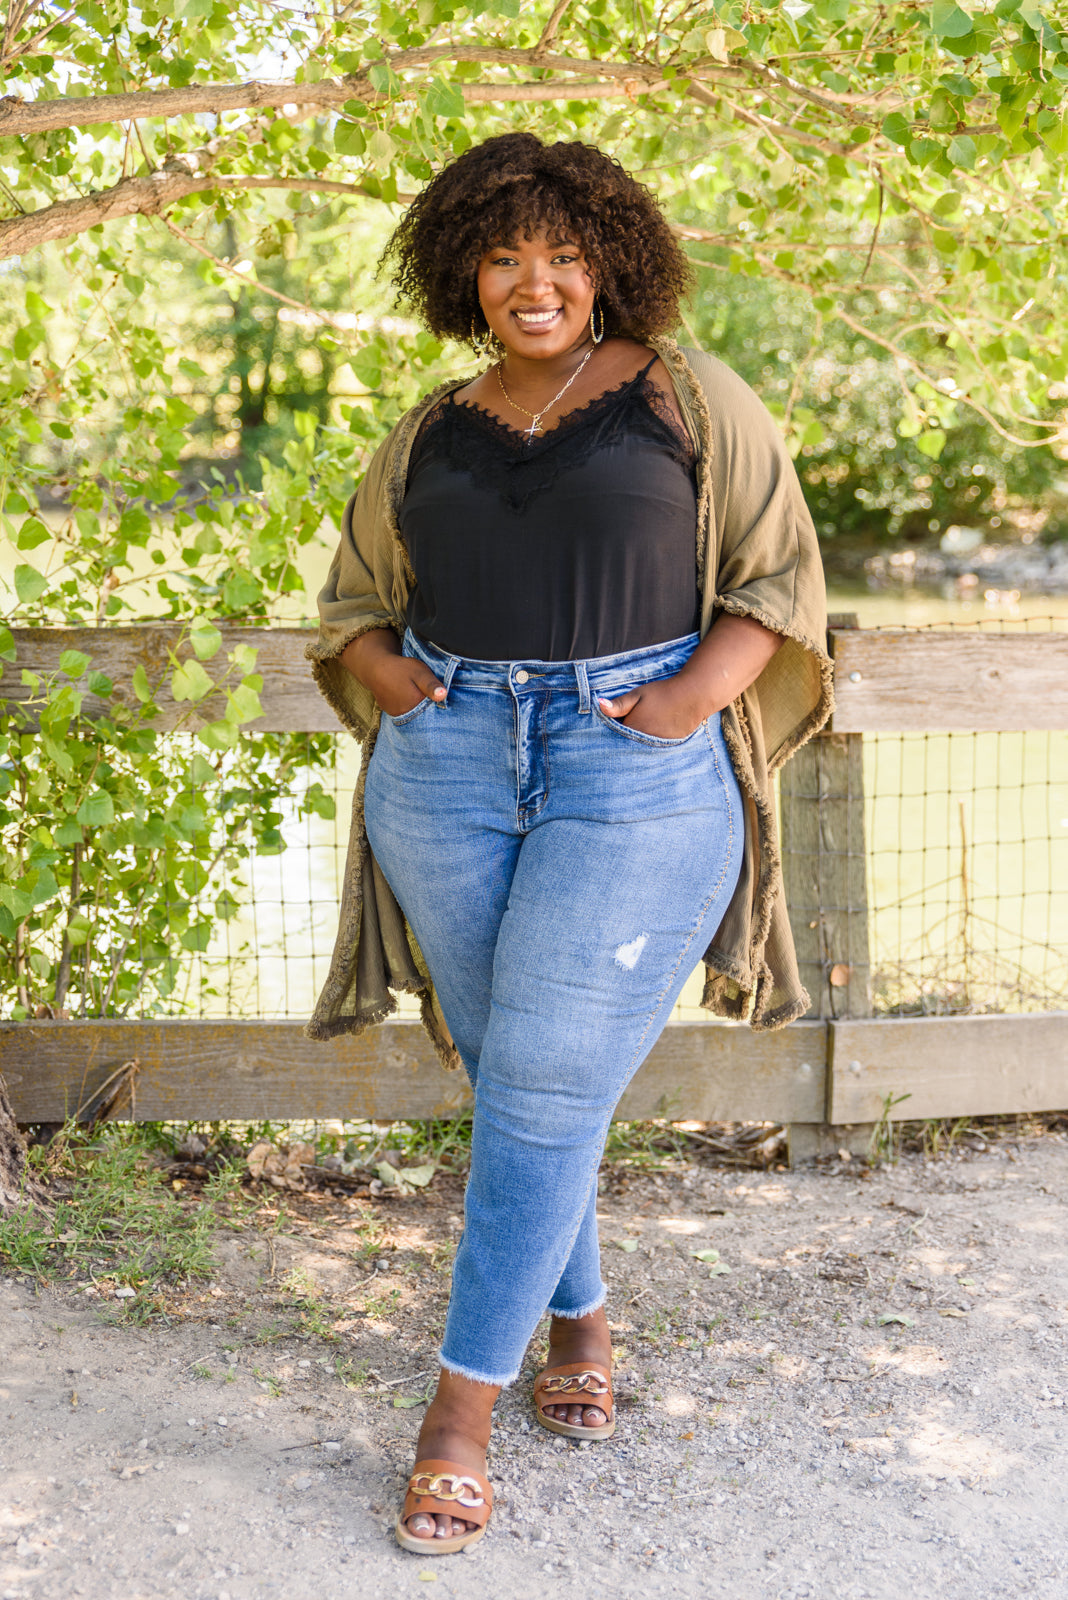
{"x": 535, "y": 427}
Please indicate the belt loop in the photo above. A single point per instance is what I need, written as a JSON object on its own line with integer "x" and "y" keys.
{"x": 583, "y": 682}
{"x": 452, "y": 662}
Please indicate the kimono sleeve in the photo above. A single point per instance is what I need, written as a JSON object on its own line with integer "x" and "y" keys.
{"x": 363, "y": 591}
{"x": 766, "y": 556}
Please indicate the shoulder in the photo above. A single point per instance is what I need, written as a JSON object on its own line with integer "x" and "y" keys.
{"x": 725, "y": 392}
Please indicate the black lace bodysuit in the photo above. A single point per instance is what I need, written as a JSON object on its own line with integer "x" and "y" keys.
{"x": 579, "y": 542}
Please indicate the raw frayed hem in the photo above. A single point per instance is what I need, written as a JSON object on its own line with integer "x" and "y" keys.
{"x": 583, "y": 1311}
{"x": 490, "y": 1380}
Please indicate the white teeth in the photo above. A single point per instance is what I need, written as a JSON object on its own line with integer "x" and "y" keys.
{"x": 536, "y": 316}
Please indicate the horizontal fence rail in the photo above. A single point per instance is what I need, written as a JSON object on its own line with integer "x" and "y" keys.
{"x": 830, "y": 1078}
{"x": 892, "y": 681}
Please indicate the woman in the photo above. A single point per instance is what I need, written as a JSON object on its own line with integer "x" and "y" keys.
{"x": 577, "y": 618}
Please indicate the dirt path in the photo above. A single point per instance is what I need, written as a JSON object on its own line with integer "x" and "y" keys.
{"x": 778, "y": 1437}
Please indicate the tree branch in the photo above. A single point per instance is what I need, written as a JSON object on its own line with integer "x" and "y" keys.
{"x": 550, "y": 30}
{"x": 148, "y": 196}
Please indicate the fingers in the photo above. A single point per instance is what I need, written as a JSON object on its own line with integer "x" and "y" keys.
{"x": 432, "y": 687}
{"x": 620, "y": 707}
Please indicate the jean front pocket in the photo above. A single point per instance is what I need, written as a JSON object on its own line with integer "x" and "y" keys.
{"x": 652, "y": 740}
{"x": 408, "y": 716}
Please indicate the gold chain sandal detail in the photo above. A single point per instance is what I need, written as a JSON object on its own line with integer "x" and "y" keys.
{"x": 557, "y": 1384}
{"x": 442, "y": 1488}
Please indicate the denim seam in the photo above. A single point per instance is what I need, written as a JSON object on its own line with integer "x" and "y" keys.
{"x": 728, "y": 858}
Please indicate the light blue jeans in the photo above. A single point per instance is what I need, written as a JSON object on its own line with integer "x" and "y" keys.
{"x": 563, "y": 875}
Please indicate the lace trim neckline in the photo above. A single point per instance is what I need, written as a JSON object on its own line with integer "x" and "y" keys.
{"x": 519, "y": 437}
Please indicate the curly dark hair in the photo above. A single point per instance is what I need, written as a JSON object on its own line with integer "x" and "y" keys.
{"x": 511, "y": 185}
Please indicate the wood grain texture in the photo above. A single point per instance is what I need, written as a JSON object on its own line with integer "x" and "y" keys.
{"x": 290, "y": 700}
{"x": 899, "y": 681}
{"x": 824, "y": 860}
{"x": 948, "y": 1066}
{"x": 250, "y": 1070}
{"x": 907, "y": 680}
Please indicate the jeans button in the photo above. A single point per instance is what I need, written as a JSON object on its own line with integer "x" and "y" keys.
{"x": 522, "y": 677}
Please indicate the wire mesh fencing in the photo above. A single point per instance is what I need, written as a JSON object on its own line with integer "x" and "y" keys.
{"x": 964, "y": 861}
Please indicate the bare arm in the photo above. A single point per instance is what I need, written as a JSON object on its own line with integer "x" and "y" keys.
{"x": 397, "y": 682}
{"x": 730, "y": 657}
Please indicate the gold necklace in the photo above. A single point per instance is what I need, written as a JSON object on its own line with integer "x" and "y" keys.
{"x": 536, "y": 416}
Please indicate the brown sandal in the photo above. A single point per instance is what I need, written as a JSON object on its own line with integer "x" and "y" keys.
{"x": 563, "y": 1386}
{"x": 441, "y": 1488}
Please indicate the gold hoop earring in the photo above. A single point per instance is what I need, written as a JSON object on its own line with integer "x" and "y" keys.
{"x": 481, "y": 343}
{"x": 594, "y": 335}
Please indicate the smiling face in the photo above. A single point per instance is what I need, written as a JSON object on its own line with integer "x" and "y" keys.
{"x": 537, "y": 295}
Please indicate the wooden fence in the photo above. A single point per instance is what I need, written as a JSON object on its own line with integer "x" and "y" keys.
{"x": 828, "y": 1077}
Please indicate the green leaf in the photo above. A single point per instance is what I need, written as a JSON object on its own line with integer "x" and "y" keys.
{"x": 68, "y": 833}
{"x": 961, "y": 151}
{"x": 190, "y": 682}
{"x": 932, "y": 443}
{"x": 349, "y": 139}
{"x": 73, "y": 663}
{"x": 197, "y": 938}
{"x": 705, "y": 1255}
{"x": 1013, "y": 109}
{"x": 30, "y": 534}
{"x": 627, "y": 1245}
{"x": 140, "y": 684}
{"x": 405, "y": 1402}
{"x": 948, "y": 21}
{"x": 220, "y": 735}
{"x": 30, "y": 584}
{"x": 44, "y": 886}
{"x": 243, "y": 704}
{"x": 897, "y": 128}
{"x": 205, "y": 639}
{"x": 97, "y": 809}
{"x": 895, "y": 1316}
{"x": 718, "y": 1268}
{"x": 444, "y": 100}
{"x": 381, "y": 148}
{"x": 201, "y": 772}
{"x": 100, "y": 684}
{"x": 20, "y": 905}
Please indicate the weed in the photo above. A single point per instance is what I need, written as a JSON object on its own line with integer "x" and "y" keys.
{"x": 202, "y": 1371}
{"x": 353, "y": 1374}
{"x": 653, "y": 1144}
{"x": 884, "y": 1144}
{"x": 268, "y": 1382}
{"x": 939, "y": 1136}
{"x": 380, "y": 1304}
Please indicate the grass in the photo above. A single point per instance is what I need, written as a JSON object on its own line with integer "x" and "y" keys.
{"x": 113, "y": 1221}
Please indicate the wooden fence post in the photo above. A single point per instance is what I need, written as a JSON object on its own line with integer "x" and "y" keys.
{"x": 825, "y": 866}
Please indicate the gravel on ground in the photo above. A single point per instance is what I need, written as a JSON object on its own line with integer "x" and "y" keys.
{"x": 836, "y": 1381}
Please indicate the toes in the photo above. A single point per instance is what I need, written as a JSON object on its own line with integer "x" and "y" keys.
{"x": 422, "y": 1525}
{"x": 594, "y": 1417}
{"x": 574, "y": 1415}
{"x": 444, "y": 1527}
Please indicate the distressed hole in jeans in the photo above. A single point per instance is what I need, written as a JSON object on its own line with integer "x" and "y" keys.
{"x": 627, "y": 954}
